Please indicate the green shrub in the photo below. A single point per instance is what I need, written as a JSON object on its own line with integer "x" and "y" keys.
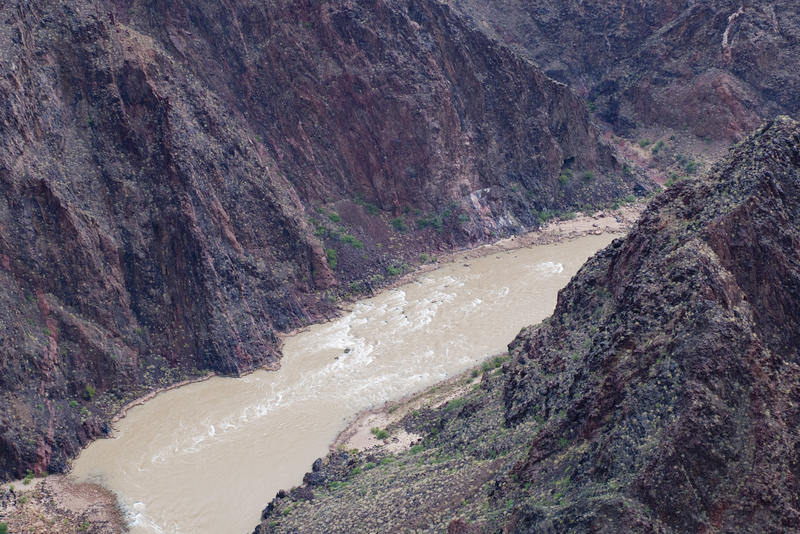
{"x": 455, "y": 404}
{"x": 691, "y": 166}
{"x": 394, "y": 270}
{"x": 416, "y": 449}
{"x": 73, "y": 403}
{"x": 334, "y": 217}
{"x": 330, "y": 255}
{"x": 399, "y": 224}
{"x": 3, "y": 528}
{"x": 369, "y": 207}
{"x": 645, "y": 142}
{"x": 432, "y": 221}
{"x": 90, "y": 392}
{"x": 28, "y": 477}
{"x": 379, "y": 433}
{"x": 588, "y": 175}
{"x": 355, "y": 287}
{"x": 544, "y": 215}
{"x": 352, "y": 241}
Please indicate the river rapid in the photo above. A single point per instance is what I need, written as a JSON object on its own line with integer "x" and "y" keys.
{"x": 207, "y": 457}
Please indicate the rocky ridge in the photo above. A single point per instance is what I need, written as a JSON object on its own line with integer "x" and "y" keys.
{"x": 659, "y": 397}
{"x": 713, "y": 69}
{"x": 182, "y": 181}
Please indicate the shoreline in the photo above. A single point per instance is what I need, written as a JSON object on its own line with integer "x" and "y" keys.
{"x": 617, "y": 221}
{"x": 358, "y": 435}
{"x": 66, "y": 498}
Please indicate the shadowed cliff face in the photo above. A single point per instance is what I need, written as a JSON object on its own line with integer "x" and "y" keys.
{"x": 661, "y": 396}
{"x": 159, "y": 162}
{"x": 715, "y": 69}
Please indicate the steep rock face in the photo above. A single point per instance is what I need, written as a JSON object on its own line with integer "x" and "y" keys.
{"x": 661, "y": 396}
{"x": 671, "y": 363}
{"x": 401, "y": 103}
{"x": 158, "y": 163}
{"x": 714, "y": 68}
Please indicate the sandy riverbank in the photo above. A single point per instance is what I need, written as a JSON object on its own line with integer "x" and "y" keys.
{"x": 54, "y": 500}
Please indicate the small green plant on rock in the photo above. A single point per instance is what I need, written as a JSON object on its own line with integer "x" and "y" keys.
{"x": 352, "y": 241}
{"x": 3, "y": 528}
{"x": 379, "y": 433}
{"x": 330, "y": 255}
{"x": 394, "y": 270}
{"x": 399, "y": 224}
{"x": 28, "y": 477}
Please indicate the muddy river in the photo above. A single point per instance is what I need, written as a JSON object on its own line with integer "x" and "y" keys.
{"x": 209, "y": 456}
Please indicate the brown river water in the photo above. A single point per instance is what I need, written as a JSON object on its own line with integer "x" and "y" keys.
{"x": 207, "y": 457}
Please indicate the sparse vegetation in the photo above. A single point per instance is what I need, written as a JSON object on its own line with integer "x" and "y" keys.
{"x": 352, "y": 241}
{"x": 432, "y": 221}
{"x": 28, "y": 477}
{"x": 544, "y": 215}
{"x": 379, "y": 433}
{"x": 395, "y": 270}
{"x": 330, "y": 255}
{"x": 399, "y": 224}
{"x": 369, "y": 207}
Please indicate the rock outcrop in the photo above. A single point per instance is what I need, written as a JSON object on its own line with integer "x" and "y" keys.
{"x": 169, "y": 170}
{"x": 661, "y": 396}
{"x": 715, "y": 69}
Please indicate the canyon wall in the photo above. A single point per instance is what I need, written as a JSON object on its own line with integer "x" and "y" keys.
{"x": 171, "y": 171}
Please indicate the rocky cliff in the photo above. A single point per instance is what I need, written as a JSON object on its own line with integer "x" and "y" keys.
{"x": 182, "y": 180}
{"x": 714, "y": 69}
{"x": 661, "y": 396}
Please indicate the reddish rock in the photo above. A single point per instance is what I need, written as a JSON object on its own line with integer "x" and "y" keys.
{"x": 161, "y": 162}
